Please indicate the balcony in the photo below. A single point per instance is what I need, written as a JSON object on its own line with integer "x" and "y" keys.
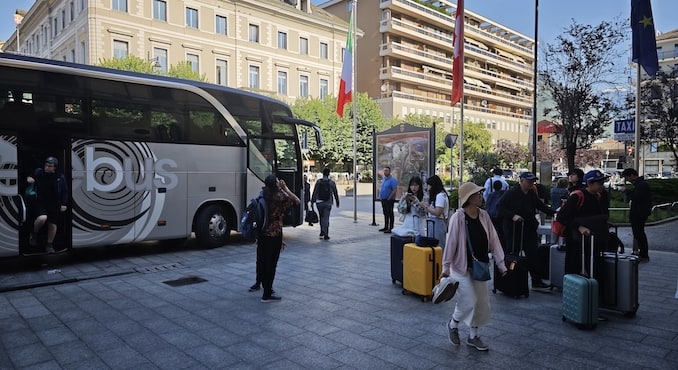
{"x": 415, "y": 32}
{"x": 431, "y": 100}
{"x": 400, "y": 51}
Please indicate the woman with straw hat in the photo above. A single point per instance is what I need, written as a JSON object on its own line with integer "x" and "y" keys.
{"x": 470, "y": 229}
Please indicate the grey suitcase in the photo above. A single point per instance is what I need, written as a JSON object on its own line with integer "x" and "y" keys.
{"x": 620, "y": 283}
{"x": 557, "y": 266}
{"x": 580, "y": 296}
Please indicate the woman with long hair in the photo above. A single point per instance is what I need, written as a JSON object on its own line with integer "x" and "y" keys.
{"x": 470, "y": 230}
{"x": 438, "y": 209}
{"x": 412, "y": 207}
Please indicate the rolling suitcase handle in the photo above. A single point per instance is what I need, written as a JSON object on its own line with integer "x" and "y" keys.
{"x": 522, "y": 234}
{"x": 583, "y": 256}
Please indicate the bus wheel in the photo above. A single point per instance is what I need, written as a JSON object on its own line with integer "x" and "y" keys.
{"x": 211, "y": 228}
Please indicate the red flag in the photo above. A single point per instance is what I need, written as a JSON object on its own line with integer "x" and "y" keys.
{"x": 346, "y": 83}
{"x": 458, "y": 60}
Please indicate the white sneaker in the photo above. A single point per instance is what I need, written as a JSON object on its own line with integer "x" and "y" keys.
{"x": 445, "y": 290}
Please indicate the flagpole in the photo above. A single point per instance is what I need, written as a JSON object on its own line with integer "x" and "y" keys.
{"x": 636, "y": 135}
{"x": 354, "y": 8}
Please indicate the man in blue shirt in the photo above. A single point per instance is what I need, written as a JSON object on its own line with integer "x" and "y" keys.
{"x": 387, "y": 194}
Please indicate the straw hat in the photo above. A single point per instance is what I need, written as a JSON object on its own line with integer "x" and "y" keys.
{"x": 466, "y": 190}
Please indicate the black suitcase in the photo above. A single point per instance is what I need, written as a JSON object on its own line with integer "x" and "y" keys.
{"x": 397, "y": 243}
{"x": 514, "y": 284}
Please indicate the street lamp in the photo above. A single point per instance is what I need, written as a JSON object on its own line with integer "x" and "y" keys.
{"x": 450, "y": 140}
{"x": 18, "y": 17}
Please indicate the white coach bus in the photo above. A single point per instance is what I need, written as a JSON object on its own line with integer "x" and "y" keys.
{"x": 145, "y": 157}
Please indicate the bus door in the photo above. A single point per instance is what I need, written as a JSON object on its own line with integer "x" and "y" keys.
{"x": 12, "y": 205}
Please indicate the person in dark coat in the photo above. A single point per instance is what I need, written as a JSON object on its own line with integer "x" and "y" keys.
{"x": 51, "y": 200}
{"x": 517, "y": 207}
{"x": 583, "y": 218}
{"x": 641, "y": 207}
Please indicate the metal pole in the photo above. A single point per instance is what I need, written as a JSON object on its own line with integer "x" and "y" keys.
{"x": 354, "y": 94}
{"x": 374, "y": 176}
{"x": 534, "y": 88}
{"x": 636, "y": 144}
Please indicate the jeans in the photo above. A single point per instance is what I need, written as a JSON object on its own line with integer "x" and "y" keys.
{"x": 324, "y": 209}
{"x": 389, "y": 217}
{"x": 638, "y": 229}
{"x": 268, "y": 252}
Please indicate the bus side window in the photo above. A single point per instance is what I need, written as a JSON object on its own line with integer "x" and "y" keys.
{"x": 15, "y": 114}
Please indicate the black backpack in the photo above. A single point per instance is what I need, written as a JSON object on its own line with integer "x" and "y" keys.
{"x": 255, "y": 218}
{"x": 324, "y": 190}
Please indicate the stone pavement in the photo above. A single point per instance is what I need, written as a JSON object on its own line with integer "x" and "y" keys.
{"x": 111, "y": 309}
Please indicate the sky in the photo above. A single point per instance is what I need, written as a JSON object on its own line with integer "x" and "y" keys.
{"x": 554, "y": 15}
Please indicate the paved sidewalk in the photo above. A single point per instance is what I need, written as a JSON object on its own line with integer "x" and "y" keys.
{"x": 339, "y": 311}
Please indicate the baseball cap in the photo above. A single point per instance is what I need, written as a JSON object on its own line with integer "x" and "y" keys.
{"x": 593, "y": 176}
{"x": 52, "y": 160}
{"x": 528, "y": 176}
{"x": 497, "y": 171}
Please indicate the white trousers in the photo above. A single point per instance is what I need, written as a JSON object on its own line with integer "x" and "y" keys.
{"x": 473, "y": 301}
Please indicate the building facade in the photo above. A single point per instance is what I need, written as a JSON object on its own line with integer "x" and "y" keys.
{"x": 404, "y": 62}
{"x": 283, "y": 48}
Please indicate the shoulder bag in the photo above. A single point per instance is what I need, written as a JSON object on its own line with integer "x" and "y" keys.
{"x": 480, "y": 270}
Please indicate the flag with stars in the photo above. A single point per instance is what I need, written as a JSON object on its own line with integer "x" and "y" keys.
{"x": 643, "y": 36}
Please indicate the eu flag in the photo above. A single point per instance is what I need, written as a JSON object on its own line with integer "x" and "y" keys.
{"x": 644, "y": 41}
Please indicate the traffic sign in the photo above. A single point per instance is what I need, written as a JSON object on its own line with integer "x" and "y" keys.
{"x": 625, "y": 129}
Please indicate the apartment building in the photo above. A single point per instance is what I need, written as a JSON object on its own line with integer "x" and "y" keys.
{"x": 405, "y": 63}
{"x": 284, "y": 48}
{"x": 656, "y": 163}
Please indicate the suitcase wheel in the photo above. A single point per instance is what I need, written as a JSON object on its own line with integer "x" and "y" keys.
{"x": 564, "y": 319}
{"x": 494, "y": 291}
{"x": 630, "y": 315}
{"x": 404, "y": 292}
{"x": 392, "y": 281}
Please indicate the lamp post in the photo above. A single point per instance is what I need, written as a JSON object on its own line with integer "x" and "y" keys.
{"x": 17, "y": 21}
{"x": 450, "y": 140}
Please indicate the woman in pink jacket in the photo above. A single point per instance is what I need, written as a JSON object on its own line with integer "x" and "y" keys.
{"x": 473, "y": 303}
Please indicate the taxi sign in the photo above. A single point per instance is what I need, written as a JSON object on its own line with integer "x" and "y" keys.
{"x": 625, "y": 129}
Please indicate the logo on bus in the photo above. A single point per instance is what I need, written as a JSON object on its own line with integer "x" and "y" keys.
{"x": 155, "y": 173}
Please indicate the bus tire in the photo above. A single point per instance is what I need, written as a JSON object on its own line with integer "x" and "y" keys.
{"x": 211, "y": 227}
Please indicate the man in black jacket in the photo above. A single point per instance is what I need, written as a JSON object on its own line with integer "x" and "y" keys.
{"x": 641, "y": 207}
{"x": 52, "y": 200}
{"x": 518, "y": 207}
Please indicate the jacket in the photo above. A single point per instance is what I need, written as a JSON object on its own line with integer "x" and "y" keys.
{"x": 455, "y": 252}
{"x": 515, "y": 202}
{"x": 641, "y": 199}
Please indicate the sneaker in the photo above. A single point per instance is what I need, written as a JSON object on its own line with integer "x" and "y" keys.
{"x": 270, "y": 299}
{"x": 540, "y": 286}
{"x": 321, "y": 236}
{"x": 49, "y": 248}
{"x": 382, "y": 229}
{"x": 254, "y": 288}
{"x": 453, "y": 334}
{"x": 33, "y": 240}
{"x": 445, "y": 290}
{"x": 387, "y": 231}
{"x": 326, "y": 237}
{"x": 643, "y": 259}
{"x": 476, "y": 342}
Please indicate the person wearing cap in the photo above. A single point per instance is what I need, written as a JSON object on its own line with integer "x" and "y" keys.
{"x": 51, "y": 199}
{"x": 583, "y": 218}
{"x": 517, "y": 208}
{"x": 470, "y": 224}
{"x": 489, "y": 188}
{"x": 641, "y": 207}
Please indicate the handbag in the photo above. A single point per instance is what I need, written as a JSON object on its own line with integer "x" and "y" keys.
{"x": 480, "y": 270}
{"x": 557, "y": 228}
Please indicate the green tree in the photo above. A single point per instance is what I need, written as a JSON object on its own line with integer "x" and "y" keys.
{"x": 184, "y": 69}
{"x": 512, "y": 154}
{"x": 577, "y": 66}
{"x": 129, "y": 63}
{"x": 337, "y": 150}
{"x": 659, "y": 111}
{"x": 133, "y": 63}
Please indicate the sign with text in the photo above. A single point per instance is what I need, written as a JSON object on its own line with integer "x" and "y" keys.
{"x": 625, "y": 129}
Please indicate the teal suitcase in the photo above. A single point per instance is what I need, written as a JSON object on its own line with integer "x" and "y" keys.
{"x": 580, "y": 297}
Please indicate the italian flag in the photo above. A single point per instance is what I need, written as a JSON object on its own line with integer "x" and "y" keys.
{"x": 346, "y": 83}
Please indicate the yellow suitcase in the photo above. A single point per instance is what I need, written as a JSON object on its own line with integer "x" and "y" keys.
{"x": 421, "y": 269}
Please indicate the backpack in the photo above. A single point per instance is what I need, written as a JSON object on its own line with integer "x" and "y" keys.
{"x": 556, "y": 226}
{"x": 255, "y": 218}
{"x": 492, "y": 201}
{"x": 324, "y": 190}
